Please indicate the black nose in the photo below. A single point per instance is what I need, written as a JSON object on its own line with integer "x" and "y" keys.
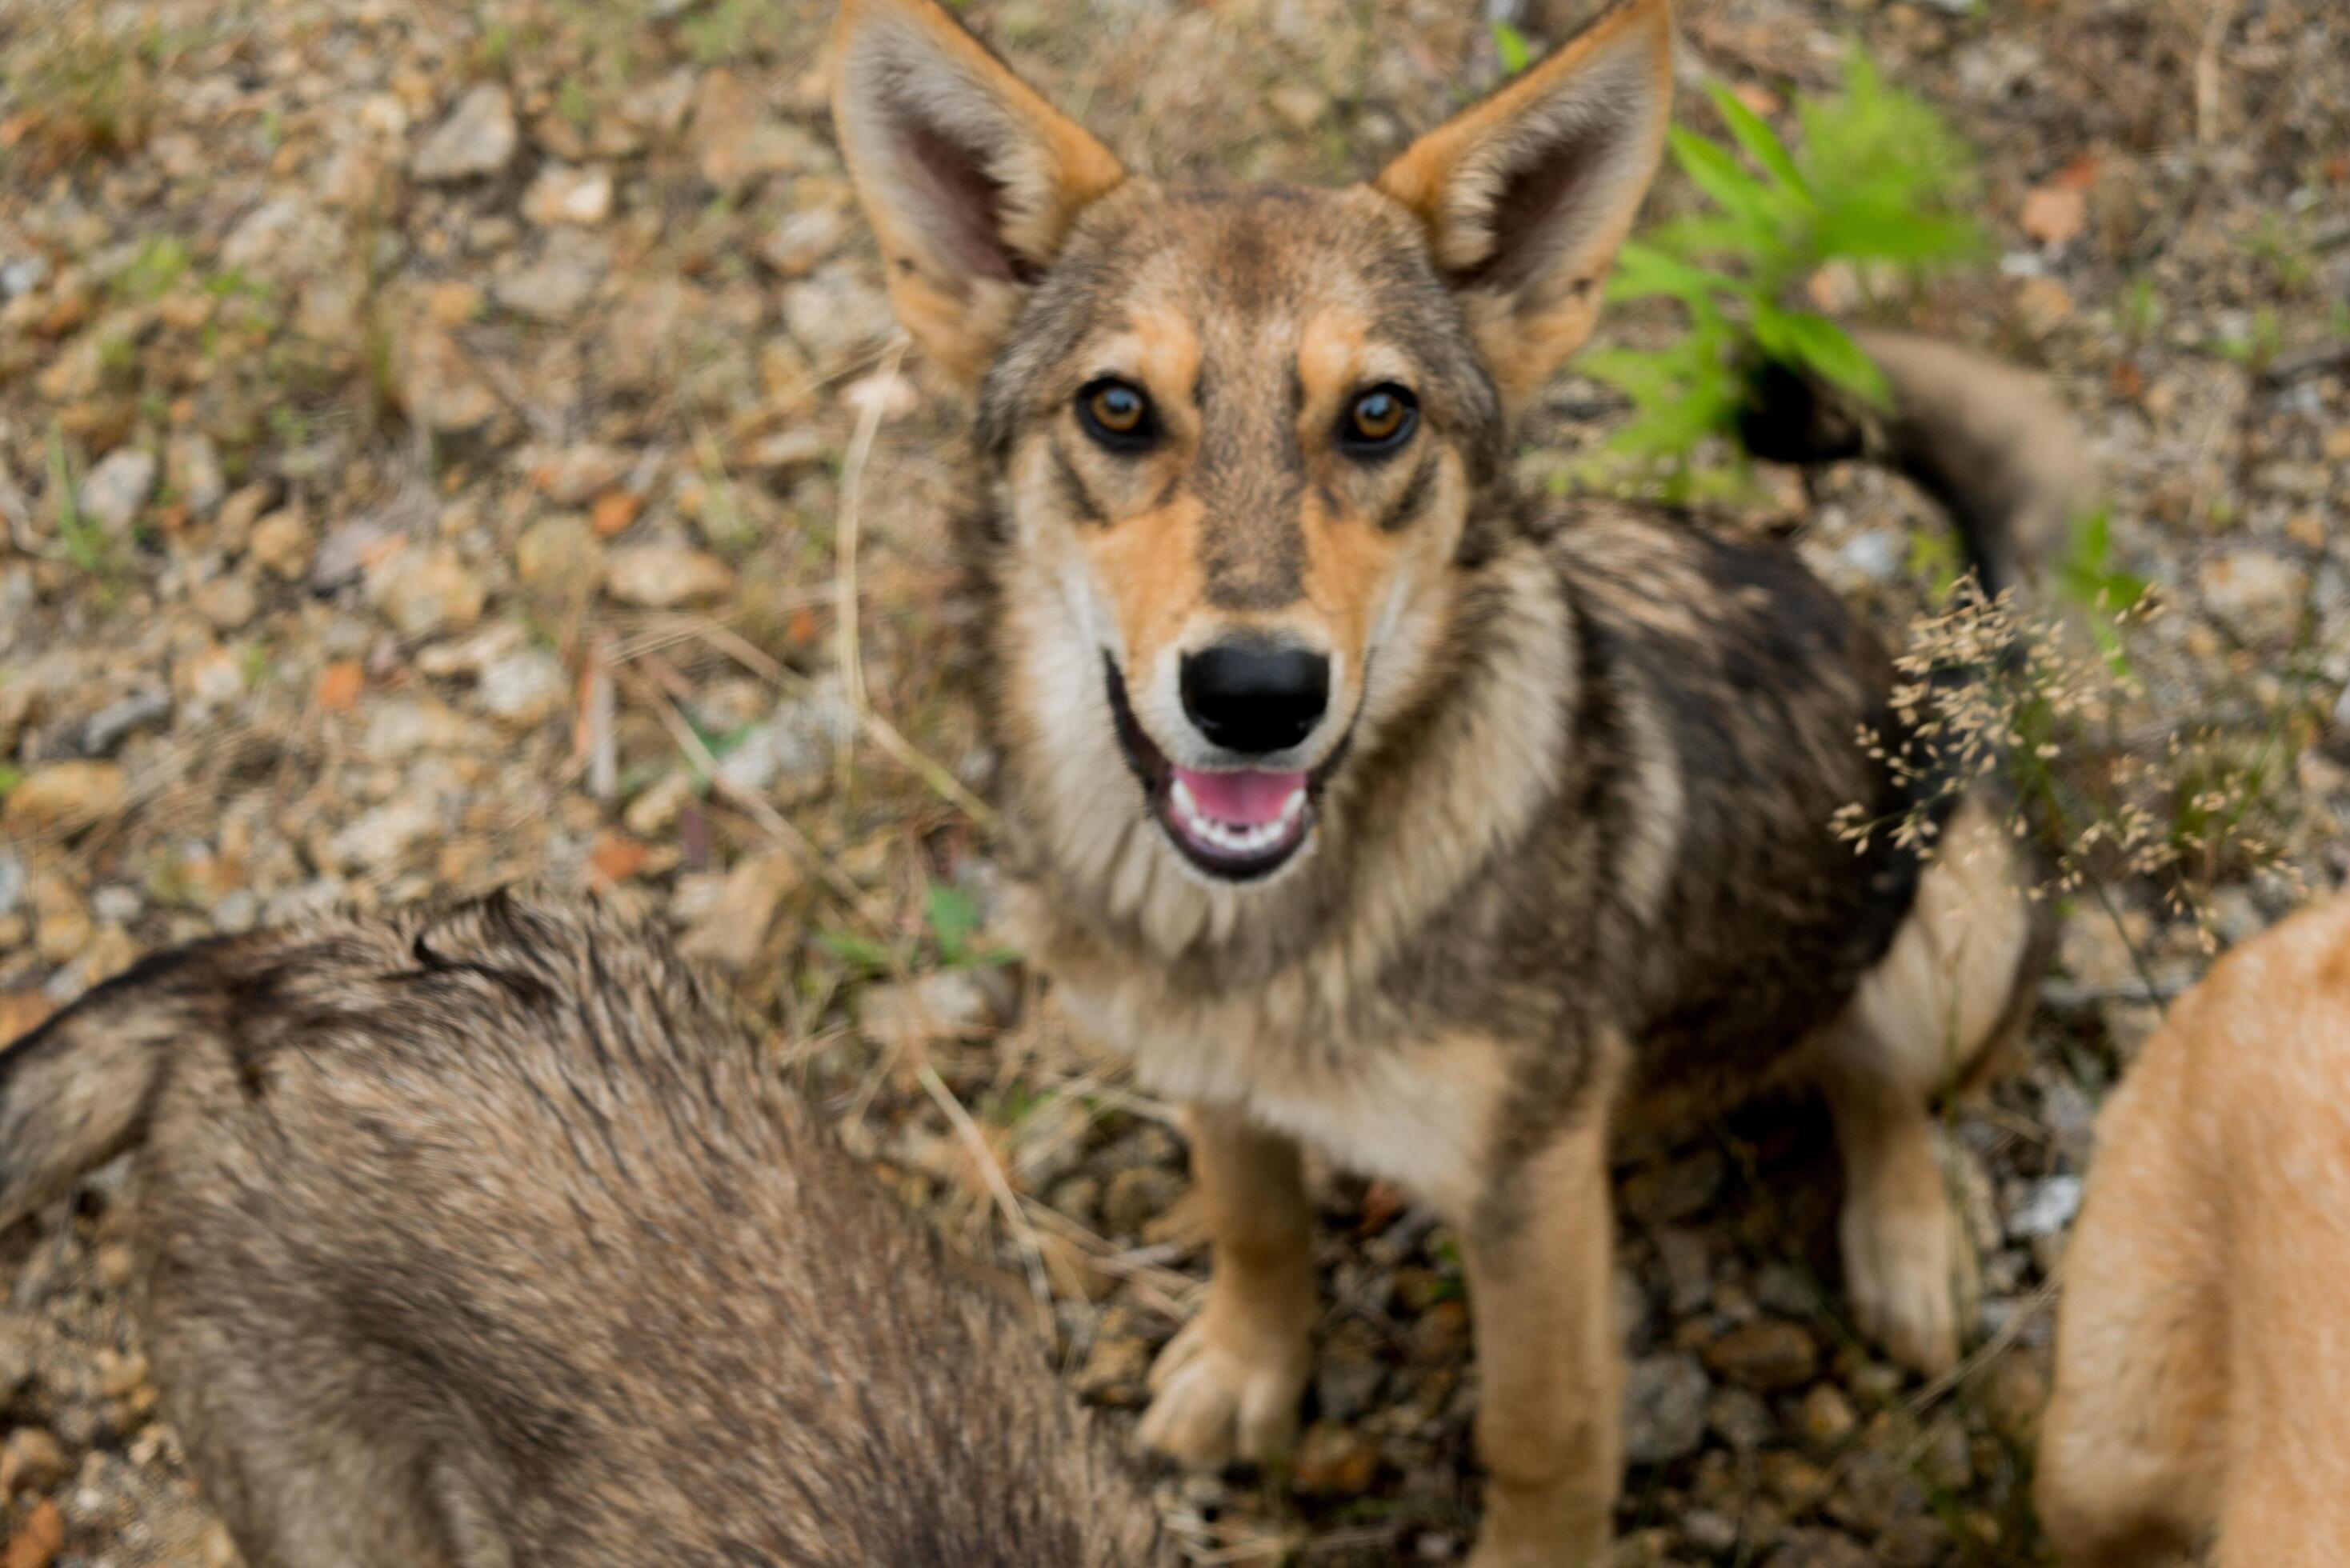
{"x": 1255, "y": 697}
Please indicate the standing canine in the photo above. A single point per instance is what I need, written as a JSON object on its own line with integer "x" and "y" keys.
{"x": 484, "y": 1239}
{"x": 2203, "y": 1347}
{"x": 1367, "y": 802}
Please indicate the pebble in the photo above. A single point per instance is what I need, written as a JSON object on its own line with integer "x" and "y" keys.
{"x": 560, "y": 561}
{"x": 554, "y": 284}
{"x": 478, "y": 137}
{"x": 525, "y": 689}
{"x": 62, "y": 797}
{"x": 2048, "y": 1209}
{"x": 378, "y": 839}
{"x": 114, "y": 493}
{"x": 229, "y": 603}
{"x": 1664, "y": 1409}
{"x": 565, "y": 195}
{"x": 731, "y": 933}
{"x": 1769, "y": 1356}
{"x": 1826, "y": 1417}
{"x": 285, "y": 544}
{"x": 1333, "y": 1459}
{"x": 2258, "y": 593}
{"x": 112, "y": 724}
{"x": 663, "y": 576}
{"x": 191, "y": 464}
{"x": 423, "y": 592}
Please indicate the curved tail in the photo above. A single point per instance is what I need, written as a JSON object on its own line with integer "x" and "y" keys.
{"x": 1987, "y": 441}
{"x": 74, "y": 1092}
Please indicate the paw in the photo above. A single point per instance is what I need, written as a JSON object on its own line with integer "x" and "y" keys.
{"x": 1218, "y": 1397}
{"x": 1908, "y": 1270}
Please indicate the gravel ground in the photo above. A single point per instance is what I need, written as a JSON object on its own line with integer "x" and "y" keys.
{"x": 429, "y": 435}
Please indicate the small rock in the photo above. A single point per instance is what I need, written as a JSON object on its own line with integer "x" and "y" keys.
{"x": 31, "y": 1460}
{"x": 437, "y": 385}
{"x": 426, "y": 592}
{"x": 2258, "y": 593}
{"x": 735, "y": 142}
{"x": 115, "y": 491}
{"x": 578, "y": 473}
{"x": 560, "y": 561}
{"x": 227, "y": 602}
{"x": 1826, "y": 1417}
{"x": 562, "y": 277}
{"x": 285, "y": 544}
{"x": 662, "y": 577}
{"x": 564, "y": 195}
{"x": 940, "y": 1005}
{"x": 2049, "y": 1208}
{"x": 108, "y": 728}
{"x": 1333, "y": 1461}
{"x": 803, "y": 240}
{"x": 1769, "y": 1356}
{"x": 1299, "y": 105}
{"x": 191, "y": 464}
{"x": 478, "y": 137}
{"x": 62, "y": 797}
{"x": 732, "y": 932}
{"x": 837, "y": 314}
{"x": 1667, "y": 1194}
{"x": 525, "y": 689}
{"x": 377, "y": 839}
{"x": 1664, "y": 1409}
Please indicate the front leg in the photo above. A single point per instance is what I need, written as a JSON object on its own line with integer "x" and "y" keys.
{"x": 1540, "y": 1250}
{"x": 1227, "y": 1387}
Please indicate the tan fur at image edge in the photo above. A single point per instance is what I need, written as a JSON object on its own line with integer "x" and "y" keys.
{"x": 2202, "y": 1364}
{"x": 484, "y": 1236}
{"x": 1569, "y": 840}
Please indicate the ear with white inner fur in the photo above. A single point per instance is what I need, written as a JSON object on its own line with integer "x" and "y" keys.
{"x": 1526, "y": 197}
{"x": 969, "y": 179}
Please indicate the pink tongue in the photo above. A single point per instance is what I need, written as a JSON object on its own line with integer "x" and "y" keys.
{"x": 1244, "y": 799}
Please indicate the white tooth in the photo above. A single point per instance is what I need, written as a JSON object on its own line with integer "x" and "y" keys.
{"x": 1293, "y": 807}
{"x": 1186, "y": 804}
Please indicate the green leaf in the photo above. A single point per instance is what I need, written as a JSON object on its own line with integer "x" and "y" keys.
{"x": 1643, "y": 272}
{"x": 954, "y": 919}
{"x": 857, "y": 952}
{"x": 1762, "y": 143}
{"x": 1714, "y": 172}
{"x": 1822, "y": 345}
{"x": 1515, "y": 52}
{"x": 9, "y": 778}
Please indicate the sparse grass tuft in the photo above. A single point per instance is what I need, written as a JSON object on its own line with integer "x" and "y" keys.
{"x": 1872, "y": 192}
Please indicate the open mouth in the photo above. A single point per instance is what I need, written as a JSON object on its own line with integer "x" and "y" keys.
{"x": 1238, "y": 824}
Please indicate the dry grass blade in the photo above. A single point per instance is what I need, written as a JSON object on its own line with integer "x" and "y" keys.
{"x": 773, "y": 822}
{"x": 847, "y": 536}
{"x": 999, "y": 1187}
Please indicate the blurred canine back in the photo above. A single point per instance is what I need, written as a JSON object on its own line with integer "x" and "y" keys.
{"x": 483, "y": 1239}
{"x": 2203, "y": 1365}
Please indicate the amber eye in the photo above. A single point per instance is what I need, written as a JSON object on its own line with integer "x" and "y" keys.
{"x": 1378, "y": 420}
{"x": 1114, "y": 413}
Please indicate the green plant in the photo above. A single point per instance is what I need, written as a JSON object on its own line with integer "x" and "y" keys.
{"x": 1875, "y": 190}
{"x": 84, "y": 540}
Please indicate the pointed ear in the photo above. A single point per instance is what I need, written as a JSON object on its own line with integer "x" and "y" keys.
{"x": 1525, "y": 197}
{"x": 968, "y": 178}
